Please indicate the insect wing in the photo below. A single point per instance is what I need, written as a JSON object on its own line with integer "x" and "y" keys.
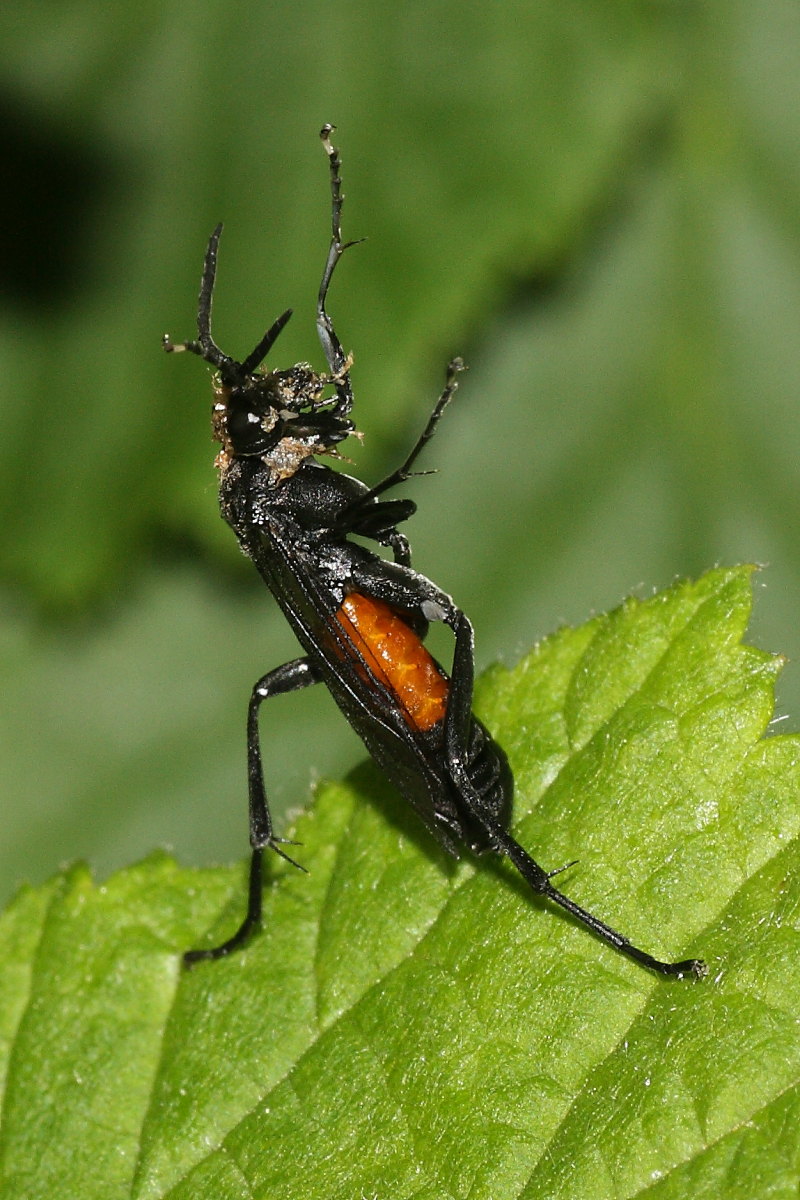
{"x": 411, "y": 757}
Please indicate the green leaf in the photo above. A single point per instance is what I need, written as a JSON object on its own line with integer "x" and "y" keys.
{"x": 408, "y": 1026}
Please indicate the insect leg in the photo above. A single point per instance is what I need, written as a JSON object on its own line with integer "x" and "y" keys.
{"x": 459, "y": 704}
{"x": 289, "y": 678}
{"x": 403, "y": 472}
{"x": 363, "y": 515}
{"x": 539, "y": 880}
{"x": 257, "y": 355}
{"x": 335, "y": 356}
{"x": 205, "y": 346}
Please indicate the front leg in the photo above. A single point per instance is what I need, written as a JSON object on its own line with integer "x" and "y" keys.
{"x": 371, "y": 518}
{"x": 338, "y": 363}
{"x": 289, "y": 678}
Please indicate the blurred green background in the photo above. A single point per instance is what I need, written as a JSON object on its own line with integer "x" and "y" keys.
{"x": 596, "y": 203}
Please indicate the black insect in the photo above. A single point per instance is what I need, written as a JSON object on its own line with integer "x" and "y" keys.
{"x": 359, "y": 618}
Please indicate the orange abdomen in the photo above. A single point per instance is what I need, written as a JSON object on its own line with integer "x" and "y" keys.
{"x": 396, "y": 656}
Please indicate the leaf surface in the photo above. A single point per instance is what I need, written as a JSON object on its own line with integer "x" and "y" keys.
{"x": 414, "y": 1027}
